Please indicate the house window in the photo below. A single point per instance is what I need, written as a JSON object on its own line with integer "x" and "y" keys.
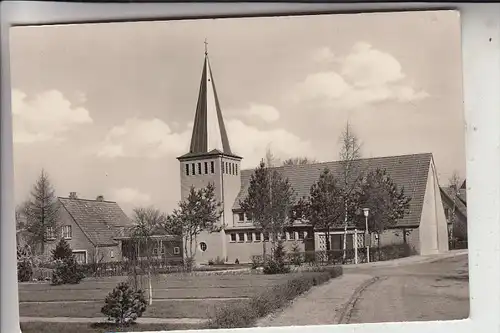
{"x": 241, "y": 237}
{"x": 236, "y": 165}
{"x": 199, "y": 168}
{"x": 212, "y": 167}
{"x": 80, "y": 256}
{"x": 177, "y": 250}
{"x": 241, "y": 217}
{"x": 232, "y": 168}
{"x": 193, "y": 170}
{"x": 266, "y": 237}
{"x": 187, "y": 169}
{"x": 301, "y": 235}
{"x": 227, "y": 167}
{"x": 233, "y": 237}
{"x": 249, "y": 217}
{"x": 206, "y": 168}
{"x": 291, "y": 235}
{"x": 203, "y": 246}
{"x": 258, "y": 236}
{"x": 249, "y": 236}
{"x": 49, "y": 233}
{"x": 66, "y": 232}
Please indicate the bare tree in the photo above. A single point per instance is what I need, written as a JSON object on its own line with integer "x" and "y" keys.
{"x": 147, "y": 222}
{"x": 41, "y": 212}
{"x": 299, "y": 161}
{"x": 350, "y": 151}
{"x": 454, "y": 183}
{"x": 271, "y": 159}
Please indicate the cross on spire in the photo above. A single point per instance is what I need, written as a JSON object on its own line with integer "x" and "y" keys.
{"x": 206, "y": 46}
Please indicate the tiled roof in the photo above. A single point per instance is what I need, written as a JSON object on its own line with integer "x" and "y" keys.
{"x": 408, "y": 171}
{"x": 101, "y": 221}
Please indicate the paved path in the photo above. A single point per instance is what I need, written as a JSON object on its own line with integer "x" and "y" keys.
{"x": 322, "y": 305}
{"x": 420, "y": 292}
{"x": 193, "y": 321}
{"x": 415, "y": 288}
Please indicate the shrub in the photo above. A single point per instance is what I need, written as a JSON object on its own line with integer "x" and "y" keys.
{"x": 123, "y": 305}
{"x": 245, "y": 314}
{"x": 67, "y": 271}
{"x": 277, "y": 265}
{"x": 62, "y": 250}
{"x": 24, "y": 270}
{"x": 296, "y": 256}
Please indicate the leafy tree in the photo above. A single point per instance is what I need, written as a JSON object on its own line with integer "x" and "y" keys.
{"x": 41, "y": 212}
{"x": 270, "y": 202}
{"x": 147, "y": 222}
{"x": 352, "y": 175}
{"x": 324, "y": 208}
{"x": 124, "y": 304}
{"x": 62, "y": 250}
{"x": 200, "y": 211}
{"x": 387, "y": 202}
{"x": 299, "y": 161}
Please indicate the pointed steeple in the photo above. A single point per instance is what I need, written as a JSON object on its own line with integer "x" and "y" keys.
{"x": 209, "y": 131}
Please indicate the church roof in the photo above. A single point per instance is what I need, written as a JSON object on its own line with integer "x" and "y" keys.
{"x": 407, "y": 171}
{"x": 101, "y": 221}
{"x": 209, "y": 131}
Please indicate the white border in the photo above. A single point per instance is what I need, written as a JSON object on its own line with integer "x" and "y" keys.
{"x": 481, "y": 63}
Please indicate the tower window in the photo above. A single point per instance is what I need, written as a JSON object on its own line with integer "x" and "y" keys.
{"x": 206, "y": 168}
{"x": 199, "y": 168}
{"x": 193, "y": 170}
{"x": 187, "y": 169}
{"x": 241, "y": 217}
{"x": 236, "y": 169}
{"x": 212, "y": 167}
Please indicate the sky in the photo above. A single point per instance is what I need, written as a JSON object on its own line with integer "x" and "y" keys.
{"x": 285, "y": 83}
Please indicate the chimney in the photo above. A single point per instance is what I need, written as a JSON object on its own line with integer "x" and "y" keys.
{"x": 72, "y": 195}
{"x": 100, "y": 198}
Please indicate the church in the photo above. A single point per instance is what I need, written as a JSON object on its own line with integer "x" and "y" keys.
{"x": 211, "y": 160}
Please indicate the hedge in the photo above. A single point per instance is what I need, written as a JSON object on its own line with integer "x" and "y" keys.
{"x": 246, "y": 314}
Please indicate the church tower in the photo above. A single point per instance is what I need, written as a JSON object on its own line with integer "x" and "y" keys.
{"x": 210, "y": 160}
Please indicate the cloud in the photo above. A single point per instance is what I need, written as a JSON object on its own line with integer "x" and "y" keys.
{"x": 251, "y": 143}
{"x": 323, "y": 55}
{"x": 129, "y": 195}
{"x": 137, "y": 137}
{"x": 264, "y": 112}
{"x": 45, "y": 117}
{"x": 364, "y": 76}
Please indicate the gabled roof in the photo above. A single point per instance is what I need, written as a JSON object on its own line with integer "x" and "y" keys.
{"x": 408, "y": 171}
{"x": 209, "y": 131}
{"x": 101, "y": 221}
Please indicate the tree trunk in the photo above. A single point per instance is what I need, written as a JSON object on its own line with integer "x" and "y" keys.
{"x": 264, "y": 252}
{"x": 404, "y": 236}
{"x": 150, "y": 287}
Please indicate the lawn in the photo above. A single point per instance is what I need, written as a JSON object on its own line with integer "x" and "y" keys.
{"x": 175, "y": 296}
{"x": 38, "y": 327}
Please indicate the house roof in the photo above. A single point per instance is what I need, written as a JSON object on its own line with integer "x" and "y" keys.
{"x": 447, "y": 194}
{"x": 101, "y": 221}
{"x": 407, "y": 171}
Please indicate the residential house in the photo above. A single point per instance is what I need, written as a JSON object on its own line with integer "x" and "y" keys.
{"x": 455, "y": 208}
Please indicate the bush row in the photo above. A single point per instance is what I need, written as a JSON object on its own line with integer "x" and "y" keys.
{"x": 246, "y": 314}
{"x": 388, "y": 252}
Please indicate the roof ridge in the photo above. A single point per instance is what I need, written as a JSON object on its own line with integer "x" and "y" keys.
{"x": 338, "y": 161}
{"x": 83, "y": 199}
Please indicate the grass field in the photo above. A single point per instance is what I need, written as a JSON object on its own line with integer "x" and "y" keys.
{"x": 175, "y": 296}
{"x": 93, "y": 328}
